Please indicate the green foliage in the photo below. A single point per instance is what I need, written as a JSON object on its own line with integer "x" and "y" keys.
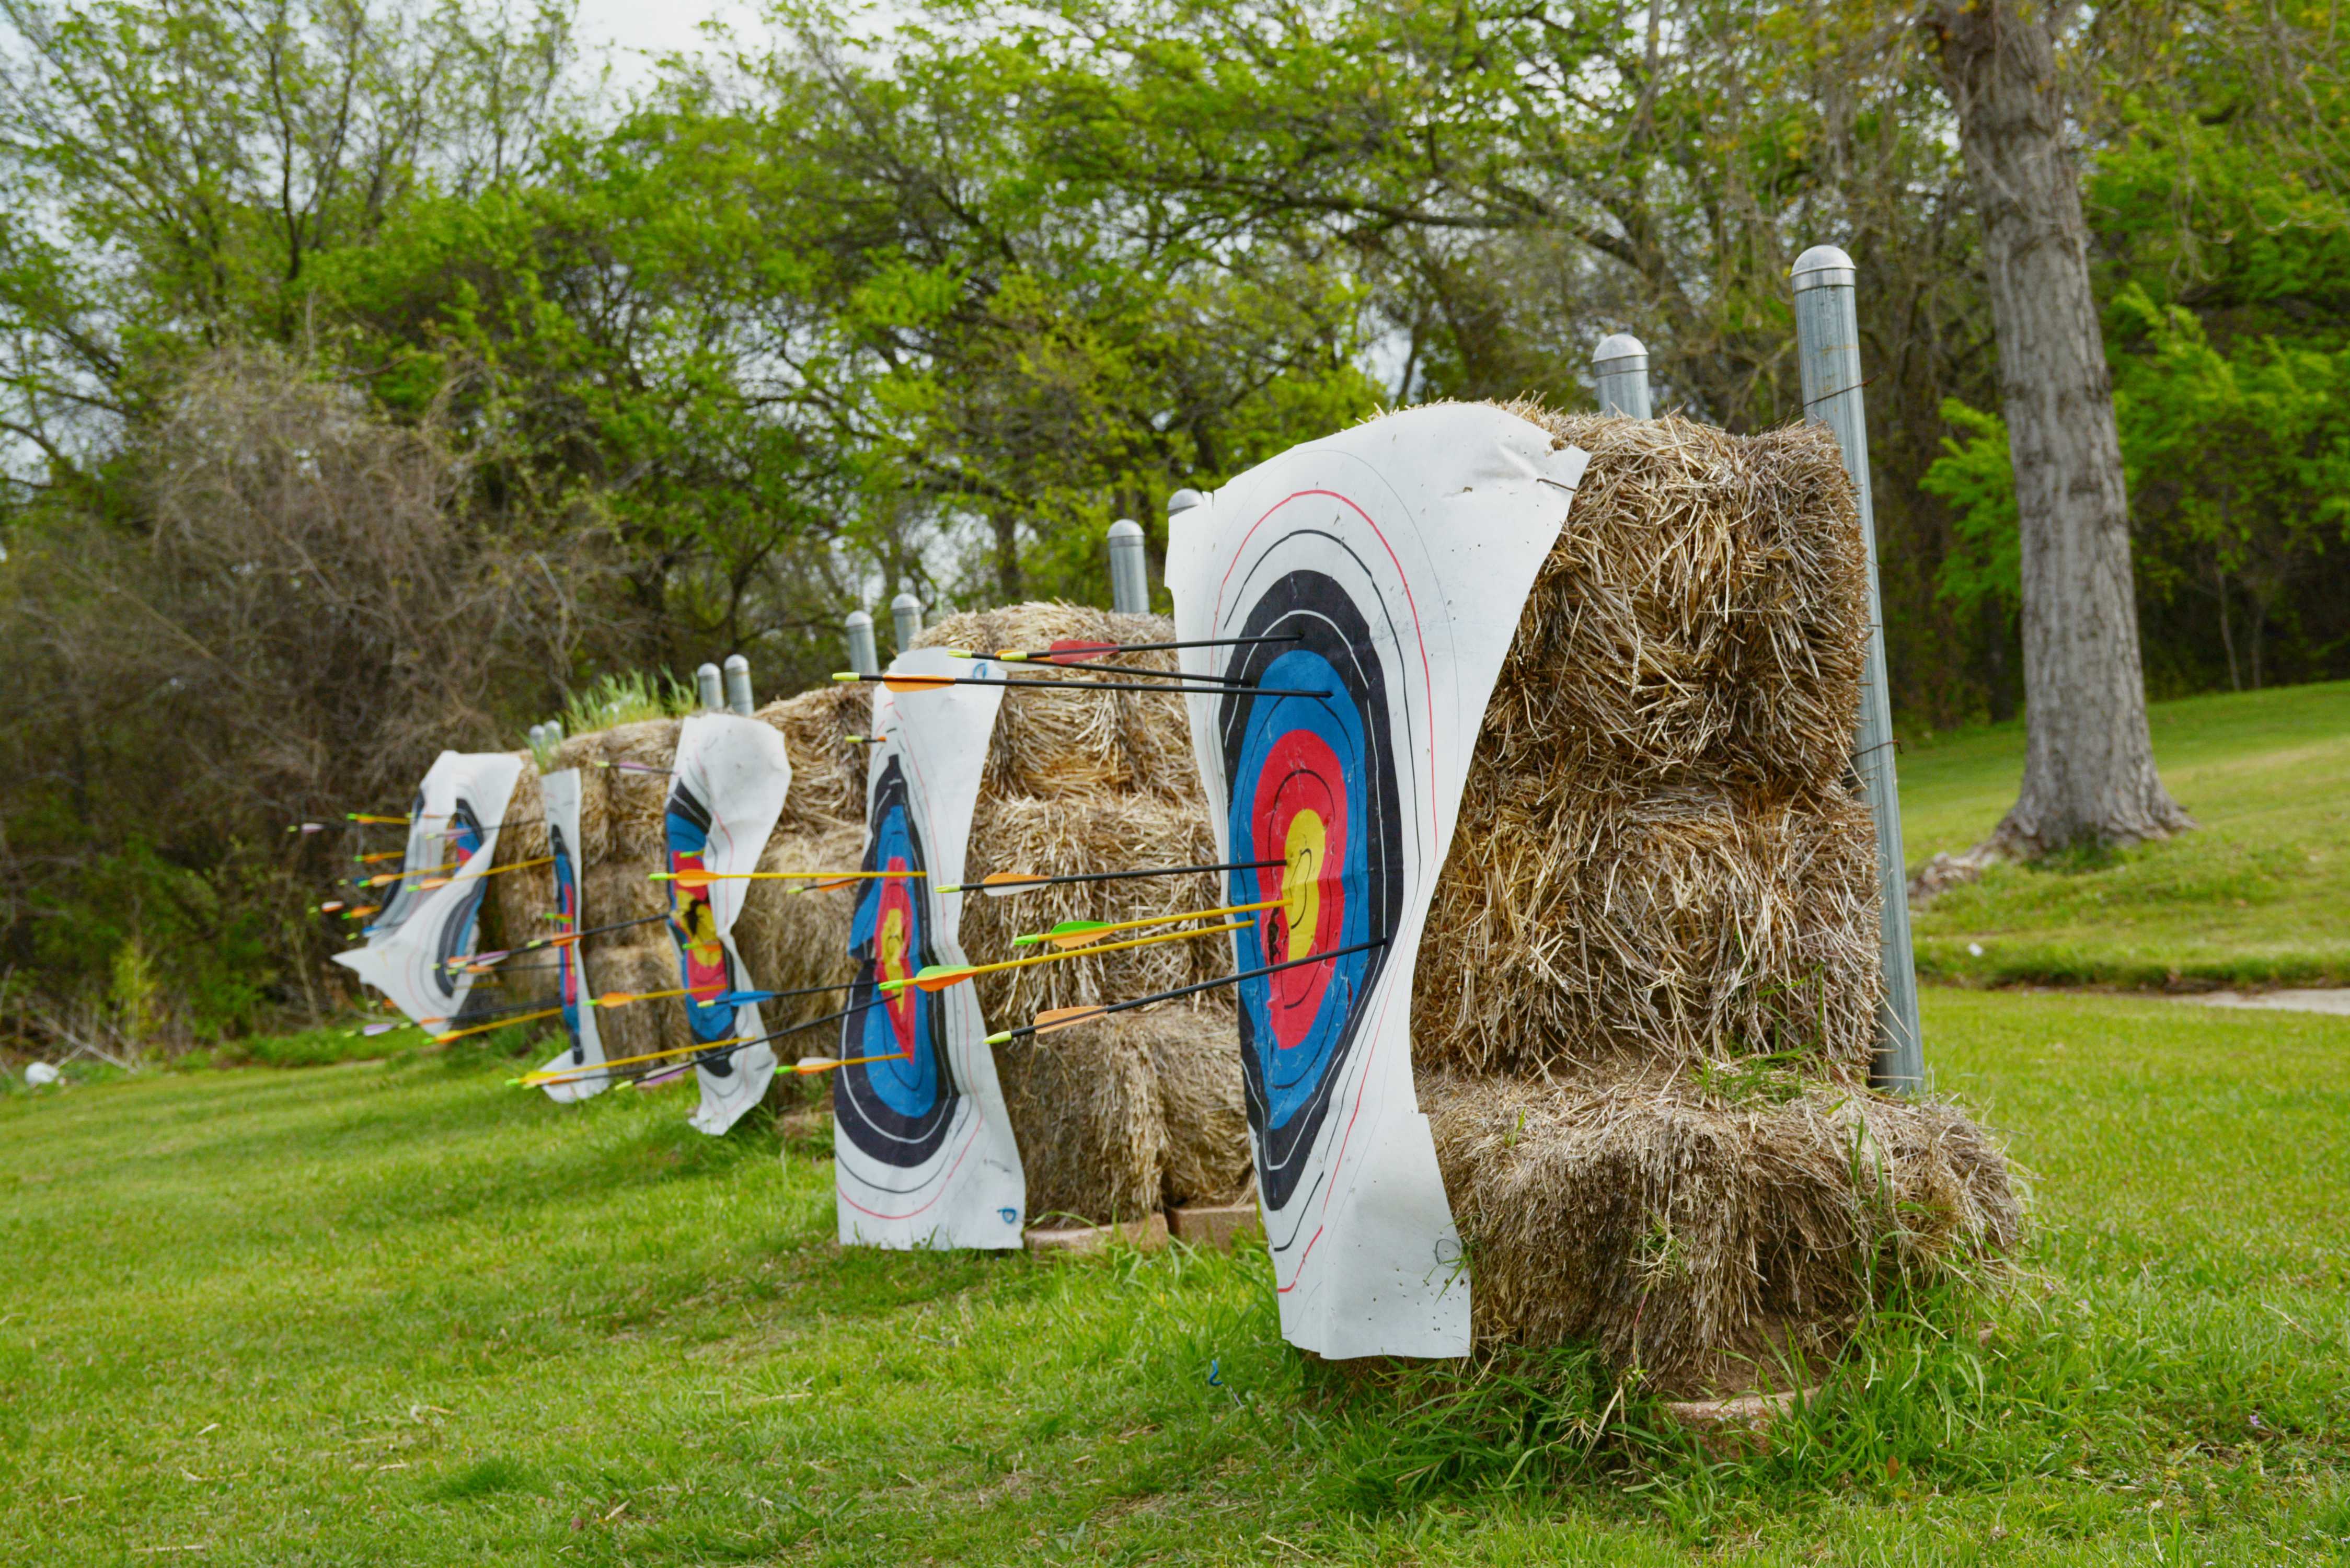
{"x": 624, "y": 697}
{"x": 1977, "y": 477}
{"x": 494, "y": 1329}
{"x": 2255, "y": 898}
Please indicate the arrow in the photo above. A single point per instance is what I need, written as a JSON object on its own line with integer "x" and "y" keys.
{"x": 1002, "y": 883}
{"x": 379, "y": 855}
{"x": 635, "y": 768}
{"x": 362, "y": 910}
{"x": 725, "y": 1047}
{"x": 938, "y": 976}
{"x": 745, "y": 997}
{"x": 362, "y": 816}
{"x": 306, "y": 827}
{"x": 481, "y": 961}
{"x": 386, "y": 878}
{"x": 830, "y": 878}
{"x": 623, "y": 998}
{"x": 499, "y": 1024}
{"x": 1080, "y": 933}
{"x": 936, "y": 683}
{"x": 1070, "y": 1017}
{"x": 1071, "y": 652}
{"x": 432, "y": 882}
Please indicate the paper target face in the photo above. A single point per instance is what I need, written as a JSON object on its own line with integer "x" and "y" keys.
{"x": 425, "y": 848}
{"x": 1314, "y": 787}
{"x": 1380, "y": 574}
{"x": 897, "y": 1101}
{"x": 561, "y": 795}
{"x": 452, "y": 840}
{"x": 923, "y": 1154}
{"x": 726, "y": 788}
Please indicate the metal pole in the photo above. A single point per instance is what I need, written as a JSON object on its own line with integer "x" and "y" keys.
{"x": 1129, "y": 573}
{"x": 738, "y": 685}
{"x": 537, "y": 739}
{"x": 1827, "y": 346}
{"x": 862, "y": 656}
{"x": 707, "y": 680}
{"x": 906, "y": 615}
{"x": 1619, "y": 368}
{"x": 555, "y": 732}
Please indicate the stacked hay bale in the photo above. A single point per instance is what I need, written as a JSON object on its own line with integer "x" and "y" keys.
{"x": 1647, "y": 992}
{"x": 1115, "y": 1118}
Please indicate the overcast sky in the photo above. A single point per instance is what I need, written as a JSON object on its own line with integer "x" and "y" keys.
{"x": 636, "y": 30}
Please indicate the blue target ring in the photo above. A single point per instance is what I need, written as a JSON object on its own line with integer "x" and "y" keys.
{"x": 1313, "y": 783}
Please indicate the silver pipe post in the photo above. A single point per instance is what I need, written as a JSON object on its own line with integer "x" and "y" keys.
{"x": 862, "y": 656}
{"x": 738, "y": 685}
{"x": 1129, "y": 573}
{"x": 707, "y": 681}
{"x": 906, "y": 618}
{"x": 1827, "y": 346}
{"x": 1619, "y": 369}
{"x": 555, "y": 732}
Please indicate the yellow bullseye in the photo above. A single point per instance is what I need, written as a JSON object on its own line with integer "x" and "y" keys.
{"x": 1301, "y": 882}
{"x": 893, "y": 965}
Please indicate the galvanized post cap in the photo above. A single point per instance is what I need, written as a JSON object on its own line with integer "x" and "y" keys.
{"x": 1183, "y": 501}
{"x": 736, "y": 663}
{"x": 1617, "y": 347}
{"x": 1823, "y": 266}
{"x": 905, "y": 601}
{"x": 858, "y": 619}
{"x": 1125, "y": 529}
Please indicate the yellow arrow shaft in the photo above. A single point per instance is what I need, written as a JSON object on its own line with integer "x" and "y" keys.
{"x": 999, "y": 967}
{"x": 1084, "y": 938}
{"x": 500, "y": 1023}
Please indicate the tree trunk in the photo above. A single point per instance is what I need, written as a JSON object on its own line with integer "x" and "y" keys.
{"x": 1007, "y": 556}
{"x": 2088, "y": 771}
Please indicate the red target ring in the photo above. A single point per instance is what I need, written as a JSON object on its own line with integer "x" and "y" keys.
{"x": 1300, "y": 819}
{"x": 893, "y": 959}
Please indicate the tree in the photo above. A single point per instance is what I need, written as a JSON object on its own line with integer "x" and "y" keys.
{"x": 2088, "y": 772}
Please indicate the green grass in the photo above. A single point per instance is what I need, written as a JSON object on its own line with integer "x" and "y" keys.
{"x": 2259, "y": 896}
{"x": 397, "y": 1312}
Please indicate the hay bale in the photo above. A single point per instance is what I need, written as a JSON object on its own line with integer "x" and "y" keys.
{"x": 583, "y": 752}
{"x": 640, "y": 1027}
{"x": 615, "y": 891}
{"x": 518, "y": 900}
{"x": 1084, "y": 1105}
{"x": 1078, "y": 834}
{"x": 1052, "y": 746}
{"x": 1195, "y": 1058}
{"x": 1670, "y": 925}
{"x": 828, "y": 772}
{"x": 789, "y": 939}
{"x": 636, "y": 801}
{"x": 1704, "y": 1238}
{"x": 1701, "y": 618}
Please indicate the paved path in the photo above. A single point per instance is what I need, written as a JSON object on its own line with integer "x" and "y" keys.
{"x": 2336, "y": 1001}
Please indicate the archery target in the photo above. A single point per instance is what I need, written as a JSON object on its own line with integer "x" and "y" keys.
{"x": 561, "y": 795}
{"x": 923, "y": 1155}
{"x": 1314, "y": 787}
{"x": 896, "y": 1100}
{"x": 726, "y": 788}
{"x": 1362, "y": 591}
{"x": 453, "y": 833}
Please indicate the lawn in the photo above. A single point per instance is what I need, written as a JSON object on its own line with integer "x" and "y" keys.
{"x": 2259, "y": 896}
{"x": 397, "y": 1312}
